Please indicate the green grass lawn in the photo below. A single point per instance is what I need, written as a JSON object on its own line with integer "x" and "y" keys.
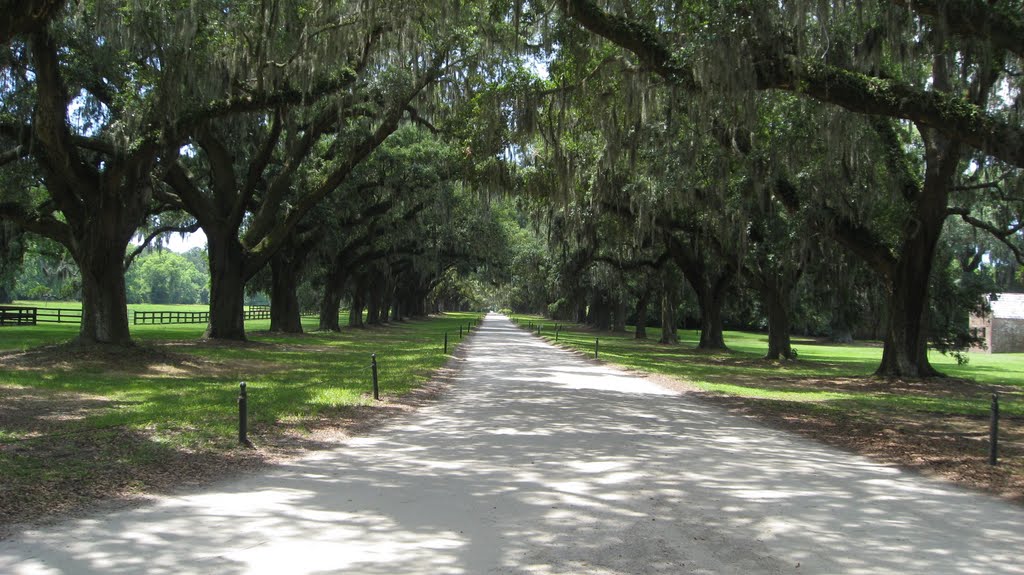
{"x": 741, "y": 371}
{"x": 177, "y": 395}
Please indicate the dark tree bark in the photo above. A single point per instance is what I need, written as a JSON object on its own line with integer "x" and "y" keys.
{"x": 355, "y": 312}
{"x": 227, "y": 286}
{"x": 775, "y": 282}
{"x": 711, "y": 299}
{"x": 619, "y": 317}
{"x": 641, "y": 314}
{"x": 906, "y": 341}
{"x": 285, "y": 271}
{"x": 373, "y": 304}
{"x": 581, "y": 311}
{"x": 600, "y": 313}
{"x": 104, "y": 303}
{"x": 22, "y": 17}
{"x": 330, "y": 307}
{"x": 710, "y": 280}
{"x": 669, "y": 332}
{"x": 776, "y": 303}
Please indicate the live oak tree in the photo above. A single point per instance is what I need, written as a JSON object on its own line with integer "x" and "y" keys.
{"x": 101, "y": 100}
{"x": 775, "y": 48}
{"x": 96, "y": 161}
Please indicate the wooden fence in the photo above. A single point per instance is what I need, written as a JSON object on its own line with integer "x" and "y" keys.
{"x": 15, "y": 315}
{"x": 169, "y": 317}
{"x": 58, "y": 315}
{"x": 165, "y": 317}
{"x": 24, "y": 315}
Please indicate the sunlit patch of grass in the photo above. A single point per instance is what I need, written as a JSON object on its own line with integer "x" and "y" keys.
{"x": 742, "y": 372}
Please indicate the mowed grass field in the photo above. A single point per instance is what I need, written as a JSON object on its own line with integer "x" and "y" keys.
{"x": 78, "y": 424}
{"x": 936, "y": 425}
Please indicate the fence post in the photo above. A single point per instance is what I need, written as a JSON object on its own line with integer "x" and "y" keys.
{"x": 373, "y": 368}
{"x": 597, "y": 345}
{"x": 993, "y": 432}
{"x": 243, "y": 416}
{"x": 460, "y": 332}
{"x": 446, "y": 342}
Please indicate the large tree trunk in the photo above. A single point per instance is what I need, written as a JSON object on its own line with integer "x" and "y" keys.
{"x": 581, "y": 311}
{"x": 776, "y": 304}
{"x": 227, "y": 287}
{"x": 709, "y": 277}
{"x": 104, "y": 303}
{"x": 330, "y": 308}
{"x": 600, "y": 313}
{"x": 641, "y": 314}
{"x": 711, "y": 299}
{"x": 285, "y": 270}
{"x": 103, "y": 202}
{"x": 355, "y": 312}
{"x": 669, "y": 333}
{"x": 619, "y": 317}
{"x": 906, "y": 339}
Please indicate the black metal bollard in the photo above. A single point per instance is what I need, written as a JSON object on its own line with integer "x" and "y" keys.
{"x": 373, "y": 369}
{"x": 460, "y": 332}
{"x": 556, "y": 333}
{"x": 243, "y": 416}
{"x": 446, "y": 342}
{"x": 993, "y": 432}
{"x": 597, "y": 345}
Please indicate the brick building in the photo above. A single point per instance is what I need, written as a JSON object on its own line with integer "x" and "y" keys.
{"x": 1003, "y": 329}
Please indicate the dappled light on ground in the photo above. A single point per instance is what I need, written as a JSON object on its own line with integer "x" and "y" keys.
{"x": 538, "y": 462}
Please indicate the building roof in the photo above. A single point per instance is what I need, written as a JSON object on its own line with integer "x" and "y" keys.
{"x": 1008, "y": 306}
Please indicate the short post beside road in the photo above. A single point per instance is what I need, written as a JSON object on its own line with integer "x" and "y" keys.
{"x": 597, "y": 345}
{"x": 993, "y": 432}
{"x": 460, "y": 332}
{"x": 446, "y": 342}
{"x": 373, "y": 370}
{"x": 243, "y": 416}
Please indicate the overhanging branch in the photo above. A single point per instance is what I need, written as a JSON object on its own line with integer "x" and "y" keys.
{"x": 953, "y": 116}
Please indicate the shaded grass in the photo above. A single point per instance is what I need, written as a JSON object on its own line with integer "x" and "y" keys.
{"x": 74, "y": 415}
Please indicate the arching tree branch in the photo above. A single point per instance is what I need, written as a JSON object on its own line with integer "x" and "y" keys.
{"x": 778, "y": 69}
